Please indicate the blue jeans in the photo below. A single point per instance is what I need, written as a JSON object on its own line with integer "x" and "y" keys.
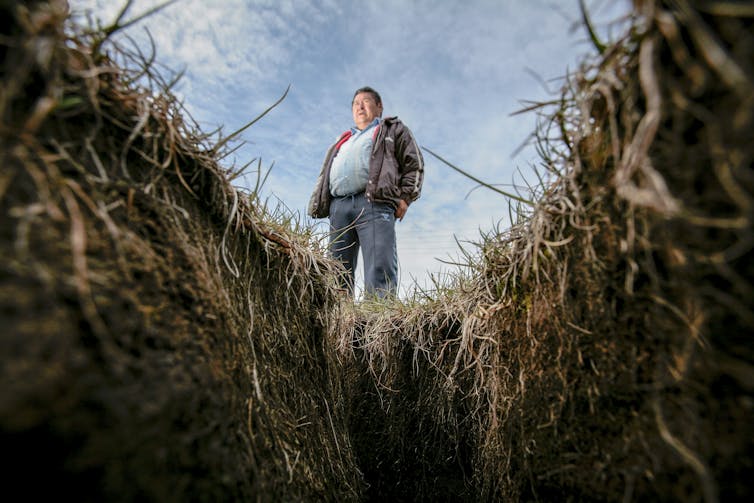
{"x": 357, "y": 223}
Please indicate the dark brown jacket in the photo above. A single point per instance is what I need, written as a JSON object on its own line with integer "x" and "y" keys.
{"x": 396, "y": 169}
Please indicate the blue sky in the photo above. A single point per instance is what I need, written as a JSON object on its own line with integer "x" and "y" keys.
{"x": 453, "y": 71}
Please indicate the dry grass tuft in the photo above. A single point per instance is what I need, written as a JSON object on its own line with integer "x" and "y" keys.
{"x": 599, "y": 350}
{"x": 163, "y": 335}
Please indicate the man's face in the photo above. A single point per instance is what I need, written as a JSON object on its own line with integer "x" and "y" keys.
{"x": 365, "y": 109}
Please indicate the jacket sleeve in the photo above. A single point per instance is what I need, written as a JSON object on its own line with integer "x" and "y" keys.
{"x": 319, "y": 202}
{"x": 316, "y": 207}
{"x": 411, "y": 165}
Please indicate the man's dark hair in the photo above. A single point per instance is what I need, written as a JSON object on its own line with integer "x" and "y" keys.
{"x": 369, "y": 90}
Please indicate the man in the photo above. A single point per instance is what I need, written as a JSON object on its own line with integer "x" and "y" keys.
{"x": 370, "y": 176}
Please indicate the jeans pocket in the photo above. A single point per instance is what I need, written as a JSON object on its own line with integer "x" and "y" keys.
{"x": 383, "y": 211}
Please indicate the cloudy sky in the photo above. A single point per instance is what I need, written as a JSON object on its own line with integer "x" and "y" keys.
{"x": 454, "y": 71}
